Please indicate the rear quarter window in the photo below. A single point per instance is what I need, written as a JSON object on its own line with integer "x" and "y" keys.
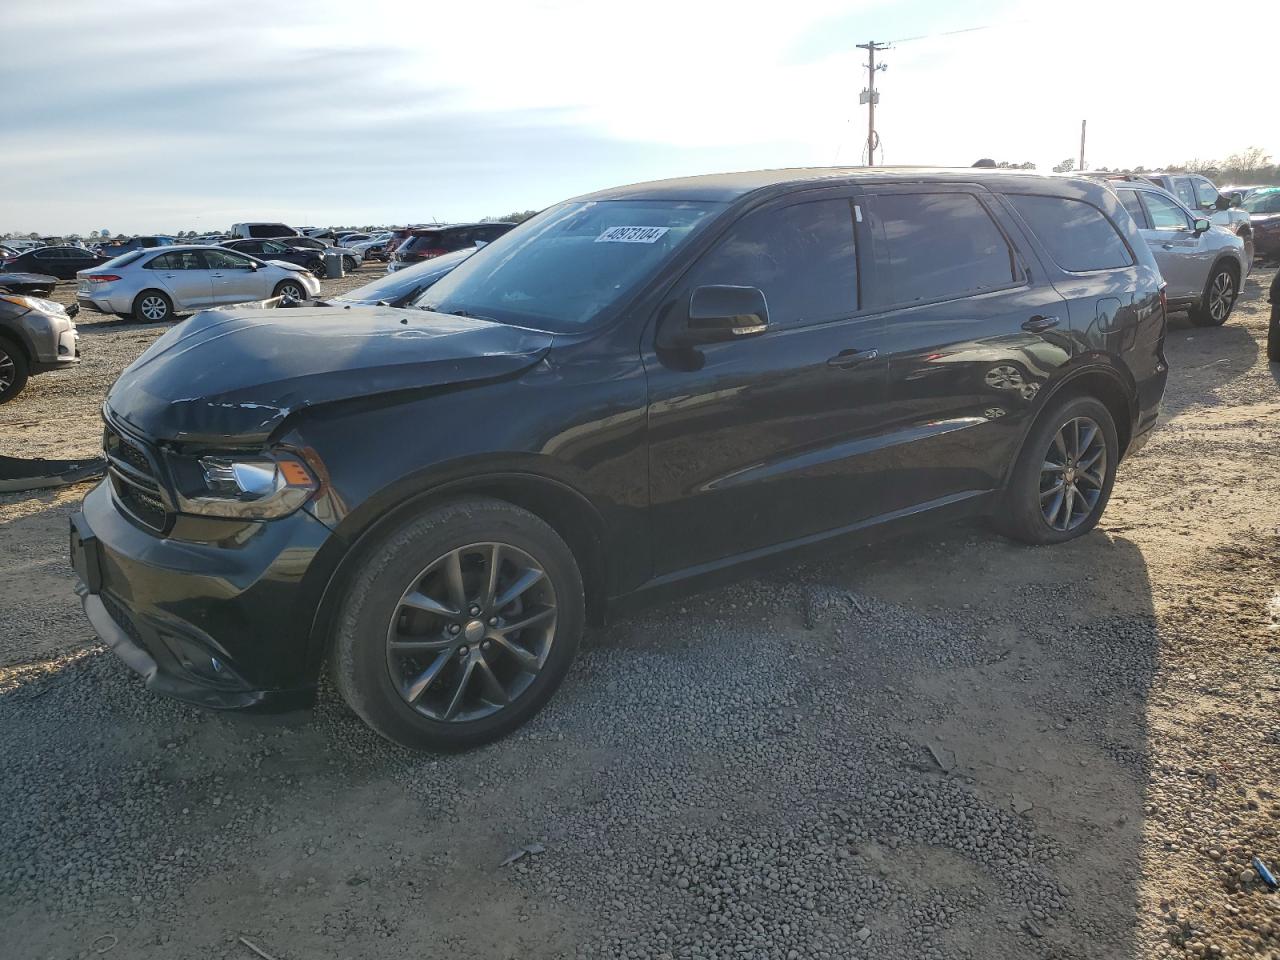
{"x": 1077, "y": 235}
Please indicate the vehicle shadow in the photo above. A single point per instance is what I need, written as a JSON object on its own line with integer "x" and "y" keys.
{"x": 1229, "y": 350}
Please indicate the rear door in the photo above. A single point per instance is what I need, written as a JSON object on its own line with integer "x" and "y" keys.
{"x": 765, "y": 440}
{"x": 971, "y": 335}
{"x": 1181, "y": 253}
{"x": 184, "y": 275}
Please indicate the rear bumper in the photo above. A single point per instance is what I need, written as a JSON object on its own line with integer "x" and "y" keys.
{"x": 217, "y": 624}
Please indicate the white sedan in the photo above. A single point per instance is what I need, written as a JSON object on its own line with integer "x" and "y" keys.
{"x": 154, "y": 285}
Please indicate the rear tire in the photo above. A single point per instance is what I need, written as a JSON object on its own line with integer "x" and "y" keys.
{"x": 1221, "y": 291}
{"x": 467, "y": 677}
{"x": 1273, "y": 335}
{"x": 1055, "y": 457}
{"x": 152, "y": 306}
{"x": 13, "y": 370}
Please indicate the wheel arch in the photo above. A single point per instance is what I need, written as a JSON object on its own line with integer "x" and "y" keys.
{"x": 1109, "y": 385}
{"x": 566, "y": 510}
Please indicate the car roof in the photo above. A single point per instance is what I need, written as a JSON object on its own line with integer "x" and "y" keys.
{"x": 728, "y": 187}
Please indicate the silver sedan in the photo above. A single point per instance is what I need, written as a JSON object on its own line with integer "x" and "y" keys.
{"x": 154, "y": 285}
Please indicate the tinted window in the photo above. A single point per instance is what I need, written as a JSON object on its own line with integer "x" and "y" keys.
{"x": 48, "y": 254}
{"x": 1267, "y": 201}
{"x": 1077, "y": 234}
{"x": 1206, "y": 194}
{"x": 273, "y": 246}
{"x": 226, "y": 260}
{"x": 933, "y": 246}
{"x": 1131, "y": 203}
{"x": 249, "y": 246}
{"x": 1165, "y": 214}
{"x": 801, "y": 256}
{"x": 269, "y": 230}
{"x": 570, "y": 264}
{"x": 177, "y": 260}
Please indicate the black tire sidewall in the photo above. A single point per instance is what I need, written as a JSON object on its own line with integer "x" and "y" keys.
{"x": 1201, "y": 316}
{"x": 137, "y": 306}
{"x": 21, "y": 370}
{"x": 1273, "y": 336}
{"x": 349, "y": 264}
{"x": 358, "y": 649}
{"x": 1020, "y": 514}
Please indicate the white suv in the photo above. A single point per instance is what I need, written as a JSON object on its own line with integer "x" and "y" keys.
{"x": 1197, "y": 192}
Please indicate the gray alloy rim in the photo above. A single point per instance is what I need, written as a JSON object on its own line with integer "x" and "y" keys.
{"x": 8, "y": 371}
{"x": 1221, "y": 294}
{"x": 471, "y": 632}
{"x": 154, "y": 308}
{"x": 291, "y": 291}
{"x": 1075, "y": 468}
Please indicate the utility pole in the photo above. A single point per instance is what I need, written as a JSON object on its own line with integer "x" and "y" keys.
{"x": 871, "y": 96}
{"x": 1083, "y": 124}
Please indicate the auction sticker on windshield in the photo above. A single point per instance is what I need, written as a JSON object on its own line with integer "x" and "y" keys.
{"x": 631, "y": 234}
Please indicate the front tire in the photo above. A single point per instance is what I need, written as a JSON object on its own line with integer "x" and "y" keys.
{"x": 152, "y": 306}
{"x": 1064, "y": 474}
{"x": 290, "y": 289}
{"x": 13, "y": 370}
{"x": 1220, "y": 293}
{"x": 349, "y": 264}
{"x": 318, "y": 269}
{"x": 459, "y": 625}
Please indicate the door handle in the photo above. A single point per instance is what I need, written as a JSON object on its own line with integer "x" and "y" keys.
{"x": 1167, "y": 246}
{"x": 1039, "y": 324}
{"x": 852, "y": 357}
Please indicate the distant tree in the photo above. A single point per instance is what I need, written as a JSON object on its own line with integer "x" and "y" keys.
{"x": 515, "y": 217}
{"x": 1066, "y": 166}
{"x": 33, "y": 235}
{"x": 104, "y": 232}
{"x": 1007, "y": 165}
{"x": 1248, "y": 161}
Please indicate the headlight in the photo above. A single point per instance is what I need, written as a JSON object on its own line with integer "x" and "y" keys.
{"x": 247, "y": 487}
{"x": 38, "y": 304}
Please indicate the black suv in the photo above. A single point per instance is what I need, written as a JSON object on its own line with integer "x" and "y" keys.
{"x": 632, "y": 390}
{"x": 313, "y": 260}
{"x": 424, "y": 243}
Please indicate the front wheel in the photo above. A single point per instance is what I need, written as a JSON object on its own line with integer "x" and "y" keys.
{"x": 1064, "y": 474}
{"x": 152, "y": 306}
{"x": 348, "y": 264}
{"x": 13, "y": 370}
{"x": 318, "y": 269}
{"x": 290, "y": 290}
{"x": 1218, "y": 298}
{"x": 459, "y": 625}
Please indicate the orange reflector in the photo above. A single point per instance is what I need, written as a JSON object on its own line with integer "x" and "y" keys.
{"x": 296, "y": 474}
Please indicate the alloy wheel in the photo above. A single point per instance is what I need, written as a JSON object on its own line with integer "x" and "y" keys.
{"x": 154, "y": 308}
{"x": 1221, "y": 296}
{"x": 471, "y": 632}
{"x": 292, "y": 291}
{"x": 1073, "y": 474}
{"x": 8, "y": 371}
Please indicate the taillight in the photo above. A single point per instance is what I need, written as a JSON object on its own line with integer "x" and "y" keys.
{"x": 101, "y": 277}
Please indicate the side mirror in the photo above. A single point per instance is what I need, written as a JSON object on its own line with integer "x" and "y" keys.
{"x": 1224, "y": 203}
{"x": 1202, "y": 226}
{"x": 718, "y": 313}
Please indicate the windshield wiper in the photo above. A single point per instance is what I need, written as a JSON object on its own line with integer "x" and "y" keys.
{"x": 464, "y": 313}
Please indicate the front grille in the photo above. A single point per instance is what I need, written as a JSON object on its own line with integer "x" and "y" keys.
{"x": 133, "y": 478}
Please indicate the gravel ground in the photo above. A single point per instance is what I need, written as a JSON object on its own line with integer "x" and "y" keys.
{"x": 948, "y": 746}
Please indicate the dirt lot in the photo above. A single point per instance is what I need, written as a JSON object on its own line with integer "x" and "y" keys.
{"x": 948, "y": 746}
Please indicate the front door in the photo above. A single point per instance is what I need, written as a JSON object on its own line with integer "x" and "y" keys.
{"x": 761, "y": 441}
{"x": 1181, "y": 253}
{"x": 235, "y": 279}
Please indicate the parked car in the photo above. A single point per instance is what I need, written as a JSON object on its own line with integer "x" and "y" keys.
{"x": 152, "y": 286}
{"x": 1273, "y": 329}
{"x": 423, "y": 244}
{"x": 1197, "y": 192}
{"x": 351, "y": 259}
{"x": 1263, "y": 207}
{"x": 1204, "y": 265}
{"x": 397, "y": 289}
{"x": 36, "y": 336}
{"x": 312, "y": 260}
{"x": 262, "y": 230}
{"x": 114, "y": 249}
{"x": 29, "y": 284}
{"x": 61, "y": 262}
{"x": 629, "y": 391}
{"x": 1239, "y": 194}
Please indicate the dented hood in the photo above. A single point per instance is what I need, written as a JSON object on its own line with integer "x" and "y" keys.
{"x": 233, "y": 375}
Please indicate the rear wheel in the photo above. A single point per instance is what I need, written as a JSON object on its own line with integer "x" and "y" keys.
{"x": 459, "y": 625}
{"x": 13, "y": 369}
{"x": 1219, "y": 297}
{"x": 152, "y": 306}
{"x": 1273, "y": 335}
{"x": 290, "y": 289}
{"x": 1063, "y": 477}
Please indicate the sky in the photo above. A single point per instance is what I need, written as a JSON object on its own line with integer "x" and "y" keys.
{"x": 142, "y": 116}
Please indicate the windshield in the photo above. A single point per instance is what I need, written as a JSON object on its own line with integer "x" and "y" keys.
{"x": 562, "y": 268}
{"x": 394, "y": 286}
{"x": 1266, "y": 201}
